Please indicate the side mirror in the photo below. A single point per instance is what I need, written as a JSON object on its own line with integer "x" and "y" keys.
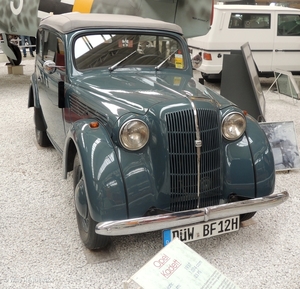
{"x": 49, "y": 66}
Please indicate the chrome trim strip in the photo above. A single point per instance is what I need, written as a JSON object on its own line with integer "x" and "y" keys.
{"x": 183, "y": 218}
{"x": 198, "y": 144}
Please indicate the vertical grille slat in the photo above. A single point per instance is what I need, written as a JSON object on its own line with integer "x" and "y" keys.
{"x": 183, "y": 159}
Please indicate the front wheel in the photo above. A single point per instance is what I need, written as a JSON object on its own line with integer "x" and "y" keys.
{"x": 245, "y": 217}
{"x": 86, "y": 225}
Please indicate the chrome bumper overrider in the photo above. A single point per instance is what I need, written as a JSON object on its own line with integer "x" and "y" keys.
{"x": 183, "y": 218}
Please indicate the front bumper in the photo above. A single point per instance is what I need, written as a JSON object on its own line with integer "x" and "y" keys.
{"x": 183, "y": 218}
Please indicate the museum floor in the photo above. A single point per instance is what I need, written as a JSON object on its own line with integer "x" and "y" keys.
{"x": 40, "y": 245}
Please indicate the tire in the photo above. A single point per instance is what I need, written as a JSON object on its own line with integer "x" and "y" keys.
{"x": 40, "y": 129}
{"x": 42, "y": 138}
{"x": 212, "y": 78}
{"x": 17, "y": 53}
{"x": 86, "y": 225}
{"x": 247, "y": 216}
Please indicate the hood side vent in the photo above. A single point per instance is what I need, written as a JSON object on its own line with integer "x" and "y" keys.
{"x": 84, "y": 111}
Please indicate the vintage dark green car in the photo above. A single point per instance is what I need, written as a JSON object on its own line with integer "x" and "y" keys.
{"x": 150, "y": 148}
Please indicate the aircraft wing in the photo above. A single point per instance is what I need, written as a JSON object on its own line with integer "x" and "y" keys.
{"x": 192, "y": 15}
{"x": 22, "y": 18}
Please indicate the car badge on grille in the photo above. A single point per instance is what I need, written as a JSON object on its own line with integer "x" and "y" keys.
{"x": 198, "y": 143}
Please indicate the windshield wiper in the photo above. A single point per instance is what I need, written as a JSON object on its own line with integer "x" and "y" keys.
{"x": 163, "y": 62}
{"x": 111, "y": 68}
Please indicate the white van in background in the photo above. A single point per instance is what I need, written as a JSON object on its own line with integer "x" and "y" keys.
{"x": 273, "y": 33}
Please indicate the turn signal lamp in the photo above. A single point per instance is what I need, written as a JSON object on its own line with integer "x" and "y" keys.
{"x": 94, "y": 124}
{"x": 207, "y": 56}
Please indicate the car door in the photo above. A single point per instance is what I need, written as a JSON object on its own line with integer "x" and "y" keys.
{"x": 287, "y": 42}
{"x": 50, "y": 82}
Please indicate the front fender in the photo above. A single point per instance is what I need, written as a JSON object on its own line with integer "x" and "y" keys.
{"x": 263, "y": 159}
{"x": 33, "y": 101}
{"x": 104, "y": 186}
{"x": 249, "y": 165}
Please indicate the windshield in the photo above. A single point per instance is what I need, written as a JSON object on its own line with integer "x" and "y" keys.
{"x": 112, "y": 51}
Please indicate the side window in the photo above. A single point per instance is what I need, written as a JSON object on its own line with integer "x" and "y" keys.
{"x": 52, "y": 48}
{"x": 288, "y": 25}
{"x": 49, "y": 46}
{"x": 249, "y": 21}
{"x": 39, "y": 43}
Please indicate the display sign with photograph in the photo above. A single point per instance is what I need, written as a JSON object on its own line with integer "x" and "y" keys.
{"x": 240, "y": 82}
{"x": 282, "y": 137}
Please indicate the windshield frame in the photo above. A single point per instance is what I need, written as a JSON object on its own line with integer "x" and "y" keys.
{"x": 162, "y": 35}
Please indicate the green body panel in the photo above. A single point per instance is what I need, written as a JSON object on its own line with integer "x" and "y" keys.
{"x": 105, "y": 189}
{"x": 122, "y": 184}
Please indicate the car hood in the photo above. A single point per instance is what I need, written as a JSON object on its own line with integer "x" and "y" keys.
{"x": 135, "y": 93}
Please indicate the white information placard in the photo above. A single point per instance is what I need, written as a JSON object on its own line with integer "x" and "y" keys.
{"x": 177, "y": 266}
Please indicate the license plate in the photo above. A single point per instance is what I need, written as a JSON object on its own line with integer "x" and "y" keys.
{"x": 202, "y": 230}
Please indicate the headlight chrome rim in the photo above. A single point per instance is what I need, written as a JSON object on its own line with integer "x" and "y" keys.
{"x": 134, "y": 134}
{"x": 233, "y": 125}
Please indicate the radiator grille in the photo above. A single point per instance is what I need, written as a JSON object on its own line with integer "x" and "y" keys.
{"x": 183, "y": 159}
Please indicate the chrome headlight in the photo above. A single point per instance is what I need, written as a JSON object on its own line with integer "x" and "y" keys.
{"x": 233, "y": 125}
{"x": 134, "y": 134}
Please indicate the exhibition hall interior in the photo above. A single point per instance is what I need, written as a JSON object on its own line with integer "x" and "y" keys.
{"x": 150, "y": 144}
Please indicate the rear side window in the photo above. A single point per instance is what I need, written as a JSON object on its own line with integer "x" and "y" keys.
{"x": 50, "y": 47}
{"x": 288, "y": 25}
{"x": 249, "y": 21}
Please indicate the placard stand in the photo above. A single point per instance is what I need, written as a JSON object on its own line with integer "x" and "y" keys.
{"x": 286, "y": 84}
{"x": 15, "y": 69}
{"x": 240, "y": 82}
{"x": 178, "y": 266}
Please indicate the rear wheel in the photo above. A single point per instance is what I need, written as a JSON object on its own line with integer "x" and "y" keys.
{"x": 17, "y": 53}
{"x": 42, "y": 138}
{"x": 86, "y": 225}
{"x": 40, "y": 130}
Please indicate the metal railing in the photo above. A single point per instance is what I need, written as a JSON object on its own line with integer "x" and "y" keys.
{"x": 17, "y": 42}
